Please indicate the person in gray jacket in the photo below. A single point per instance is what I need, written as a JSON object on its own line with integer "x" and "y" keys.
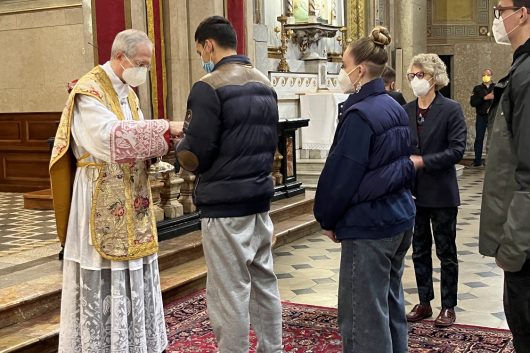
{"x": 505, "y": 216}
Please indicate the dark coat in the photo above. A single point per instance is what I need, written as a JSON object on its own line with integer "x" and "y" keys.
{"x": 364, "y": 189}
{"x": 477, "y": 99}
{"x": 398, "y": 96}
{"x": 231, "y": 139}
{"x": 441, "y": 143}
{"x": 505, "y": 219}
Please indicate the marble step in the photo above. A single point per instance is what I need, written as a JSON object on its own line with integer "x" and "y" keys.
{"x": 32, "y": 294}
{"x": 308, "y": 178}
{"x": 310, "y": 165}
{"x": 40, "y": 333}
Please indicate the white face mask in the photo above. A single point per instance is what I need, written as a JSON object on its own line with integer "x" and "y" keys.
{"x": 345, "y": 83}
{"x": 134, "y": 76}
{"x": 499, "y": 30}
{"x": 420, "y": 87}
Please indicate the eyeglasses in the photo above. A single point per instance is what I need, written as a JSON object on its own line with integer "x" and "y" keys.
{"x": 133, "y": 62}
{"x": 419, "y": 75}
{"x": 498, "y": 10}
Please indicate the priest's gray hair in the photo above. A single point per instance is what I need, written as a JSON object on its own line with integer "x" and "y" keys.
{"x": 127, "y": 42}
{"x": 432, "y": 64}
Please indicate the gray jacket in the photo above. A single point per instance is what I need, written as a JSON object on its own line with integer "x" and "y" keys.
{"x": 505, "y": 216}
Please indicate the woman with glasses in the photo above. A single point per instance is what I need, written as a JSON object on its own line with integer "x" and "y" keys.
{"x": 438, "y": 132}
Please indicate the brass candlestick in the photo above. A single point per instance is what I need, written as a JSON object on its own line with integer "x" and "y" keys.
{"x": 285, "y": 35}
{"x": 343, "y": 40}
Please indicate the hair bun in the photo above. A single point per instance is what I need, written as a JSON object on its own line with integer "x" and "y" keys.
{"x": 381, "y": 36}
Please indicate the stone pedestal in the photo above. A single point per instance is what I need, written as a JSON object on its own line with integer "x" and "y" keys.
{"x": 156, "y": 188}
{"x": 186, "y": 191}
{"x": 170, "y": 194}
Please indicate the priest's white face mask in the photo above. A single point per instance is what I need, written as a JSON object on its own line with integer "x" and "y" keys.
{"x": 135, "y": 75}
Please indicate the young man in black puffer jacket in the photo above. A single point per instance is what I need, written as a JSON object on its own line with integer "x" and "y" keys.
{"x": 229, "y": 144}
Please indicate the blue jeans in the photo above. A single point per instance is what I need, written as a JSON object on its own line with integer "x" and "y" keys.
{"x": 481, "y": 126}
{"x": 371, "y": 301}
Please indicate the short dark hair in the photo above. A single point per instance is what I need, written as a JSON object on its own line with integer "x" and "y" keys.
{"x": 388, "y": 75}
{"x": 219, "y": 29}
{"x": 522, "y": 3}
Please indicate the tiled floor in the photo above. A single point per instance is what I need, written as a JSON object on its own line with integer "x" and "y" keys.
{"x": 308, "y": 269}
{"x": 21, "y": 229}
{"x": 28, "y": 241}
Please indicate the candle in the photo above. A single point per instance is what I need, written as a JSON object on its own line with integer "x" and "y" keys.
{"x": 312, "y": 8}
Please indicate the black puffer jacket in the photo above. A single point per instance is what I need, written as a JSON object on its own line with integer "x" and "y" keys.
{"x": 231, "y": 139}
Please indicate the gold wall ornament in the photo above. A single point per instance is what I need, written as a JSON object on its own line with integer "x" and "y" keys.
{"x": 343, "y": 39}
{"x": 356, "y": 11}
{"x": 285, "y": 35}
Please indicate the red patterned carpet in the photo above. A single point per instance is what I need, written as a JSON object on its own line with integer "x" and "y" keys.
{"x": 310, "y": 329}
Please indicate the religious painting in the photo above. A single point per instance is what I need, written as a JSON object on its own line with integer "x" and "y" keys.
{"x": 453, "y": 11}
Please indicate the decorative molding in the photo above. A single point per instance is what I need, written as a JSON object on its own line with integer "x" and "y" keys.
{"x": 300, "y": 83}
{"x": 293, "y": 83}
{"x": 17, "y": 6}
{"x": 477, "y": 29}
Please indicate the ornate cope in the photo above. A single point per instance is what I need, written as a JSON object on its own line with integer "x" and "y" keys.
{"x": 122, "y": 223}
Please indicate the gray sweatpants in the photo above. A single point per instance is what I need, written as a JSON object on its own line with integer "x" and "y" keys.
{"x": 242, "y": 288}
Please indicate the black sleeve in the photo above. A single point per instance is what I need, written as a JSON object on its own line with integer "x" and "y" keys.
{"x": 199, "y": 147}
{"x": 478, "y": 97}
{"x": 343, "y": 171}
{"x": 456, "y": 137}
{"x": 520, "y": 94}
{"x": 401, "y": 100}
{"x": 514, "y": 249}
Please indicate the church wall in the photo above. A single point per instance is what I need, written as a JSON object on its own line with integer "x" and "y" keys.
{"x": 184, "y": 65}
{"x": 41, "y": 52}
{"x": 461, "y": 29}
{"x": 469, "y": 60}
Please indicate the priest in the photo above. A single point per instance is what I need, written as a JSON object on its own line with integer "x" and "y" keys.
{"x": 111, "y": 298}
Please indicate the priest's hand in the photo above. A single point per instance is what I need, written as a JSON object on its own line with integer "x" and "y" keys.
{"x": 331, "y": 235}
{"x": 176, "y": 128}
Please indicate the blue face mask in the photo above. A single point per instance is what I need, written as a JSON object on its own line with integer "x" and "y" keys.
{"x": 207, "y": 66}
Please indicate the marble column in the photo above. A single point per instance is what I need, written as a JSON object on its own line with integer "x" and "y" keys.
{"x": 181, "y": 18}
{"x": 410, "y": 37}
